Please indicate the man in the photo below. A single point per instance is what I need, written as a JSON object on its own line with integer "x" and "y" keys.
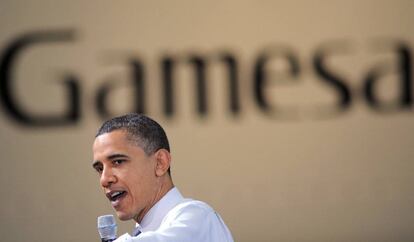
{"x": 132, "y": 156}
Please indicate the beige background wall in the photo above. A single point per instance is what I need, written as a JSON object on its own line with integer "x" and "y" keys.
{"x": 344, "y": 178}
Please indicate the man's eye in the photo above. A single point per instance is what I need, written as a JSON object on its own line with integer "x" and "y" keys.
{"x": 117, "y": 162}
{"x": 98, "y": 169}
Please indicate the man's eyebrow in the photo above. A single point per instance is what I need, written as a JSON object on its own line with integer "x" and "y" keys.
{"x": 111, "y": 157}
{"x": 114, "y": 156}
{"x": 96, "y": 163}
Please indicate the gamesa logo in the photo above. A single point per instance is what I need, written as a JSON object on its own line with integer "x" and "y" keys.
{"x": 260, "y": 79}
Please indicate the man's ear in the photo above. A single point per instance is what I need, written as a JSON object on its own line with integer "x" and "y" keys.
{"x": 163, "y": 159}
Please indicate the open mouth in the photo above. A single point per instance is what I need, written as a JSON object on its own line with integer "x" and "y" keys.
{"x": 115, "y": 195}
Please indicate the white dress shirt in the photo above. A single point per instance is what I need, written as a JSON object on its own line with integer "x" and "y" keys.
{"x": 176, "y": 219}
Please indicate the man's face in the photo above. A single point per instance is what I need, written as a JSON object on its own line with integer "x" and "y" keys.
{"x": 127, "y": 174}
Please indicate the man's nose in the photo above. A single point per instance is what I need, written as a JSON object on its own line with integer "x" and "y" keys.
{"x": 107, "y": 177}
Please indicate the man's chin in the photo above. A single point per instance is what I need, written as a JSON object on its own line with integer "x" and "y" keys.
{"x": 123, "y": 216}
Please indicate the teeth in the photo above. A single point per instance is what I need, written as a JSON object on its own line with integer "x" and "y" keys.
{"x": 115, "y": 194}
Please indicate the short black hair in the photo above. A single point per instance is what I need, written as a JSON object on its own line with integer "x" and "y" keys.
{"x": 140, "y": 129}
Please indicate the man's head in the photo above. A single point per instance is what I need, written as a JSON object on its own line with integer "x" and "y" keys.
{"x": 140, "y": 129}
{"x": 131, "y": 155}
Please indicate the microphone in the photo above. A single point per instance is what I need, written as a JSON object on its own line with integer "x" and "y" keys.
{"x": 107, "y": 228}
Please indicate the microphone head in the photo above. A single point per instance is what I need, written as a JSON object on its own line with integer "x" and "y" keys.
{"x": 107, "y": 227}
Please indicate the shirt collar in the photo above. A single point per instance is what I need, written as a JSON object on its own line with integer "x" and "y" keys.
{"x": 152, "y": 220}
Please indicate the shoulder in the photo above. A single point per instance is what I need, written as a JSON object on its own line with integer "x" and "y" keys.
{"x": 190, "y": 209}
{"x": 196, "y": 220}
{"x": 193, "y": 205}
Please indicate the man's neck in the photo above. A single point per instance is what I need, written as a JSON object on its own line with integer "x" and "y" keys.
{"x": 164, "y": 188}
